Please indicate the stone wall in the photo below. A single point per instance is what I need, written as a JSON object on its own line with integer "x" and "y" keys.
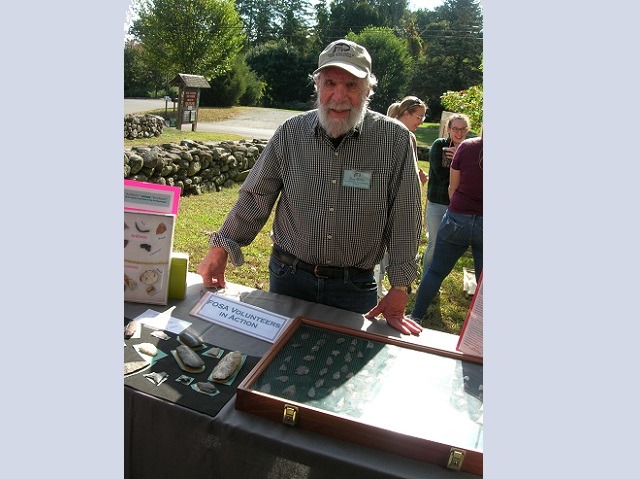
{"x": 423, "y": 153}
{"x": 195, "y": 166}
{"x": 142, "y": 126}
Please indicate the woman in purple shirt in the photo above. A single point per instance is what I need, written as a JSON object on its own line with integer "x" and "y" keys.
{"x": 461, "y": 226}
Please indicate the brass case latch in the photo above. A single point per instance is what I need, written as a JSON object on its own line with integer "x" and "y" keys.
{"x": 290, "y": 415}
{"x": 456, "y": 456}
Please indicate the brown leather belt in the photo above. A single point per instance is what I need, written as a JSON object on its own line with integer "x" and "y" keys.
{"x": 321, "y": 271}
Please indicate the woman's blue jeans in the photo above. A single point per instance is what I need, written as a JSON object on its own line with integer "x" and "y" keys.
{"x": 434, "y": 214}
{"x": 357, "y": 293}
{"x": 457, "y": 232}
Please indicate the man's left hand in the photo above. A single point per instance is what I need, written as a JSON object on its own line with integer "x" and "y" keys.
{"x": 392, "y": 307}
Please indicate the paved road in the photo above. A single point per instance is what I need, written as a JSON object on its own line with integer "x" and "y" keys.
{"x": 258, "y": 123}
{"x": 144, "y": 104}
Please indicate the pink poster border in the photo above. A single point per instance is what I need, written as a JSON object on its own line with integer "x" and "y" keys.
{"x": 171, "y": 192}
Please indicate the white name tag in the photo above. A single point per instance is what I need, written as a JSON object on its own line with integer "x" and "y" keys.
{"x": 357, "y": 179}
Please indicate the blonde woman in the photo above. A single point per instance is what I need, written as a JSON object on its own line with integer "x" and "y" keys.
{"x": 410, "y": 111}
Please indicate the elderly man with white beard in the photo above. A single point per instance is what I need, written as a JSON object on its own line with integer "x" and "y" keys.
{"x": 346, "y": 182}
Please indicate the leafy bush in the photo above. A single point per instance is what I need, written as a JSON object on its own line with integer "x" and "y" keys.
{"x": 469, "y": 101}
{"x": 253, "y": 93}
{"x": 238, "y": 86}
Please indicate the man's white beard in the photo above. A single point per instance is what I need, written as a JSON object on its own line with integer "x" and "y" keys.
{"x": 337, "y": 127}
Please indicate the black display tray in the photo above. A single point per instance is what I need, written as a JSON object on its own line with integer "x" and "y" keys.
{"x": 180, "y": 392}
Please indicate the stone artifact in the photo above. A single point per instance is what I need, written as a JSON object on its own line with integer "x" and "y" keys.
{"x": 158, "y": 333}
{"x": 130, "y": 329}
{"x": 148, "y": 348}
{"x": 188, "y": 360}
{"x": 189, "y": 340}
{"x": 227, "y": 367}
{"x": 206, "y": 387}
{"x": 133, "y": 366}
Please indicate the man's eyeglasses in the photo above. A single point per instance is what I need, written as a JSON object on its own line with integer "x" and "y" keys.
{"x": 458, "y": 130}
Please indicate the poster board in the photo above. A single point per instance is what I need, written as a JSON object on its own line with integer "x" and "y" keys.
{"x": 471, "y": 339}
{"x": 148, "y": 241}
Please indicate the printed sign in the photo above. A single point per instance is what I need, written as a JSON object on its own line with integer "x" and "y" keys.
{"x": 141, "y": 196}
{"x": 242, "y": 317}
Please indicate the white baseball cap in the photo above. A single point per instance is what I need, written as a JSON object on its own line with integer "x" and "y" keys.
{"x": 347, "y": 55}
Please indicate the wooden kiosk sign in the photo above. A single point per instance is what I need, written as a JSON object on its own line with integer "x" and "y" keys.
{"x": 189, "y": 98}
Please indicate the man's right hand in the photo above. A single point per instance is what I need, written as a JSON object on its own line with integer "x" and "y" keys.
{"x": 212, "y": 267}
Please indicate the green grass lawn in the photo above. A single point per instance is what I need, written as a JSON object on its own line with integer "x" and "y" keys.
{"x": 199, "y": 215}
{"x": 427, "y": 133}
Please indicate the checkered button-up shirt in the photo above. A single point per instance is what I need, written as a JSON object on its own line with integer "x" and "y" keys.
{"x": 320, "y": 219}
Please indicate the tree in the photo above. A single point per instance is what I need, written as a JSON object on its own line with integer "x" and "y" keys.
{"x": 273, "y": 20}
{"x": 133, "y": 72}
{"x": 354, "y": 16}
{"x": 239, "y": 86}
{"x": 351, "y": 16}
{"x": 259, "y": 20}
{"x": 321, "y": 30}
{"x": 200, "y": 37}
{"x": 294, "y": 22}
{"x": 452, "y": 54}
{"x": 390, "y": 64}
{"x": 285, "y": 71}
{"x": 390, "y": 12}
{"x": 140, "y": 81}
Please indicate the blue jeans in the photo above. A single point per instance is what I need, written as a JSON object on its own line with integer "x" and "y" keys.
{"x": 457, "y": 232}
{"x": 434, "y": 214}
{"x": 353, "y": 292}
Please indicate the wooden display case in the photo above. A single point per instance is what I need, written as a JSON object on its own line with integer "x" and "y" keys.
{"x": 380, "y": 392}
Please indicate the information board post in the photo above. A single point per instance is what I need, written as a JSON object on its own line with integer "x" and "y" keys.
{"x": 189, "y": 98}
